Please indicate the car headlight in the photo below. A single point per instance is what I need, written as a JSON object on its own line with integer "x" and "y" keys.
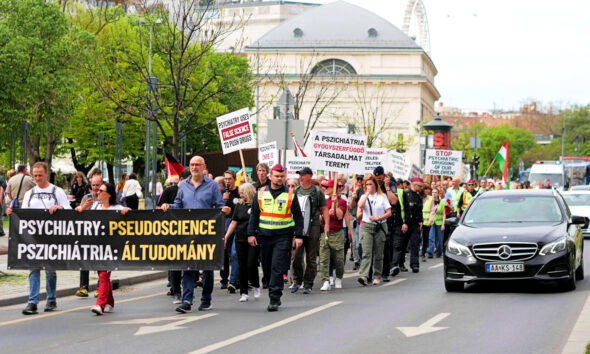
{"x": 458, "y": 249}
{"x": 553, "y": 247}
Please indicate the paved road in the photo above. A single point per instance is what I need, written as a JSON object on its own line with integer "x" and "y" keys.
{"x": 489, "y": 318}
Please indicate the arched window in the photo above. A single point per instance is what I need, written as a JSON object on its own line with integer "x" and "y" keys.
{"x": 333, "y": 67}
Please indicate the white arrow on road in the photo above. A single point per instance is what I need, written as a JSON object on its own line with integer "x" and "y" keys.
{"x": 426, "y": 327}
{"x": 167, "y": 327}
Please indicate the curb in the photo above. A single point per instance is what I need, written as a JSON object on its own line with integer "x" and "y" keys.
{"x": 117, "y": 283}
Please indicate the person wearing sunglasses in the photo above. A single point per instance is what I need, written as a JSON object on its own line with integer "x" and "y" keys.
{"x": 373, "y": 210}
{"x": 332, "y": 242}
{"x": 411, "y": 227}
{"x": 466, "y": 197}
{"x": 105, "y": 200}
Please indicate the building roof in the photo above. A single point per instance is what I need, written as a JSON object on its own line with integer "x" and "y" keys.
{"x": 336, "y": 26}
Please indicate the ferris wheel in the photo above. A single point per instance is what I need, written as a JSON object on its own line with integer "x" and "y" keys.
{"x": 416, "y": 24}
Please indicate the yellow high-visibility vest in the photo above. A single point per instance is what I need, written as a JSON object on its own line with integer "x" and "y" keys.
{"x": 275, "y": 214}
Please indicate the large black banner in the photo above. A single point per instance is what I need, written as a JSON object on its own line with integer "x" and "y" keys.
{"x": 180, "y": 239}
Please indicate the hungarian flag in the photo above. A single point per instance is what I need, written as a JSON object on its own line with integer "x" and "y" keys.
{"x": 502, "y": 158}
{"x": 297, "y": 148}
{"x": 173, "y": 167}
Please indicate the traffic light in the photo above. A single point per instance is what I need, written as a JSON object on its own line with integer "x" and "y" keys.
{"x": 476, "y": 161}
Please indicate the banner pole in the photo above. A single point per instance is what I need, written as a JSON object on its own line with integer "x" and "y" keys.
{"x": 490, "y": 166}
{"x": 244, "y": 166}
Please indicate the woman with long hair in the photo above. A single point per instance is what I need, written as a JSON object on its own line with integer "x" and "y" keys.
{"x": 79, "y": 188}
{"x": 373, "y": 209}
{"x": 247, "y": 254}
{"x": 434, "y": 207}
{"x": 107, "y": 200}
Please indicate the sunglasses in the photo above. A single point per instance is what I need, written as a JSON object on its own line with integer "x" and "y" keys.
{"x": 101, "y": 190}
{"x": 291, "y": 185}
{"x": 470, "y": 184}
{"x": 340, "y": 185}
{"x": 419, "y": 186}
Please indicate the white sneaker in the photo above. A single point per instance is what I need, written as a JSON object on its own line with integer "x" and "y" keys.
{"x": 332, "y": 281}
{"x": 108, "y": 308}
{"x": 96, "y": 309}
{"x": 256, "y": 293}
{"x": 338, "y": 283}
{"x": 244, "y": 298}
{"x": 326, "y": 286}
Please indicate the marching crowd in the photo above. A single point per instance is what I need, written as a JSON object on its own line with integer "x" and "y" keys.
{"x": 285, "y": 226}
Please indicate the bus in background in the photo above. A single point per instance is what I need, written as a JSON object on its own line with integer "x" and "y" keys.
{"x": 554, "y": 171}
{"x": 524, "y": 175}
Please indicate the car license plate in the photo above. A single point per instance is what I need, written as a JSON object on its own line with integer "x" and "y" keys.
{"x": 504, "y": 267}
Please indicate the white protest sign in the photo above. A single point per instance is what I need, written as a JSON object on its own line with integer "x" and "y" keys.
{"x": 401, "y": 165}
{"x": 338, "y": 152}
{"x": 296, "y": 163}
{"x": 443, "y": 162}
{"x": 374, "y": 157}
{"x": 268, "y": 154}
{"x": 415, "y": 172}
{"x": 235, "y": 131}
{"x": 466, "y": 173}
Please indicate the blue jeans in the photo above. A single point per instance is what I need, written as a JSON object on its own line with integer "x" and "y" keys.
{"x": 359, "y": 249}
{"x": 435, "y": 236}
{"x": 188, "y": 286}
{"x": 234, "y": 274}
{"x": 35, "y": 283}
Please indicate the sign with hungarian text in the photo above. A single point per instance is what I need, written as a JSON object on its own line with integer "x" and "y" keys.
{"x": 179, "y": 239}
{"x": 235, "y": 131}
{"x": 443, "y": 162}
{"x": 374, "y": 157}
{"x": 338, "y": 152}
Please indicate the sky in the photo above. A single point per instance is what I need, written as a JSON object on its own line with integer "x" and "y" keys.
{"x": 499, "y": 54}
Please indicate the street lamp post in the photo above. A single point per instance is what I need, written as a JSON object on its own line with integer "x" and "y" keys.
{"x": 150, "y": 124}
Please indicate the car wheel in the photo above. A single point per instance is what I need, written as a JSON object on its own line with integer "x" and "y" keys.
{"x": 570, "y": 284}
{"x": 454, "y": 286}
{"x": 580, "y": 271}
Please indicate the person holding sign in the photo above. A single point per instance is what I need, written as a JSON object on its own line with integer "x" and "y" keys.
{"x": 332, "y": 241}
{"x": 274, "y": 218}
{"x": 373, "y": 210}
{"x": 52, "y": 198}
{"x": 106, "y": 200}
{"x": 198, "y": 192}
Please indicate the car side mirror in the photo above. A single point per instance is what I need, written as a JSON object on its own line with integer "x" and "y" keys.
{"x": 451, "y": 221}
{"x": 580, "y": 220}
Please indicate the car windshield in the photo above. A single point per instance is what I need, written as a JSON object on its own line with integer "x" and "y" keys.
{"x": 513, "y": 209}
{"x": 577, "y": 199}
{"x": 555, "y": 178}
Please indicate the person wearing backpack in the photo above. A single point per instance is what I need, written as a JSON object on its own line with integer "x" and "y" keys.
{"x": 50, "y": 197}
{"x": 311, "y": 242}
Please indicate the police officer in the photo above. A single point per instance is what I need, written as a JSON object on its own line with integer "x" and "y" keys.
{"x": 412, "y": 211}
{"x": 275, "y": 217}
{"x": 466, "y": 197}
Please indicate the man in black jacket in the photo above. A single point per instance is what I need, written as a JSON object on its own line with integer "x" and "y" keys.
{"x": 411, "y": 227}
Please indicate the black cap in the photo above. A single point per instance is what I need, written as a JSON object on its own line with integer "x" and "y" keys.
{"x": 399, "y": 181}
{"x": 359, "y": 176}
{"x": 305, "y": 171}
{"x": 378, "y": 171}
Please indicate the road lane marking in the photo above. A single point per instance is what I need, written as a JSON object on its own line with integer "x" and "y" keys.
{"x": 436, "y": 266}
{"x": 397, "y": 281}
{"x": 580, "y": 335}
{"x": 271, "y": 326}
{"x": 426, "y": 327}
{"x": 61, "y": 312}
{"x": 178, "y": 321}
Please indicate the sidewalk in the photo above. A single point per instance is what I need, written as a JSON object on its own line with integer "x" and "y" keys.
{"x": 14, "y": 288}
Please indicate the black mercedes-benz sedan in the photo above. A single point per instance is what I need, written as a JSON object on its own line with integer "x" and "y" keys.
{"x": 515, "y": 234}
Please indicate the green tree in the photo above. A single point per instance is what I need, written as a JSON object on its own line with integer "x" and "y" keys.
{"x": 492, "y": 138}
{"x": 36, "y": 44}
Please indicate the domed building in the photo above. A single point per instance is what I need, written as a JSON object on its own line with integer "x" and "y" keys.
{"x": 348, "y": 68}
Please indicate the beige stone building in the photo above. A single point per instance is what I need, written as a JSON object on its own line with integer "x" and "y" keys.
{"x": 348, "y": 68}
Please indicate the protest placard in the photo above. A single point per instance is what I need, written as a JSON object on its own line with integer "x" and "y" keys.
{"x": 415, "y": 172}
{"x": 235, "y": 131}
{"x": 179, "y": 239}
{"x": 401, "y": 165}
{"x": 338, "y": 152}
{"x": 443, "y": 162}
{"x": 374, "y": 157}
{"x": 296, "y": 163}
{"x": 268, "y": 154}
